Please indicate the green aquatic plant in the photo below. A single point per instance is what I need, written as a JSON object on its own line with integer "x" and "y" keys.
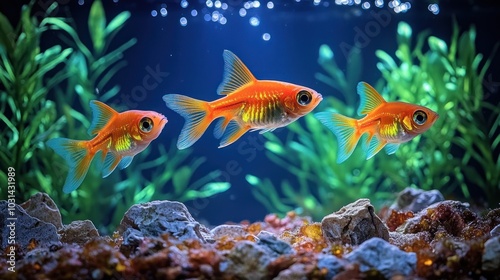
{"x": 31, "y": 118}
{"x": 27, "y": 116}
{"x": 450, "y": 155}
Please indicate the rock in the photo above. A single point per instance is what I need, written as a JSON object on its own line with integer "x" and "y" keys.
{"x": 278, "y": 247}
{"x": 24, "y": 228}
{"x": 247, "y": 260}
{"x": 495, "y": 231}
{"x": 78, "y": 232}
{"x": 414, "y": 200}
{"x": 378, "y": 254}
{"x": 228, "y": 231}
{"x": 451, "y": 216}
{"x": 42, "y": 207}
{"x": 332, "y": 264}
{"x": 353, "y": 224}
{"x": 491, "y": 255}
{"x": 297, "y": 271}
{"x": 155, "y": 218}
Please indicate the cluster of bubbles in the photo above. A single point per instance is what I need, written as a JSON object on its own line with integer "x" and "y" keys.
{"x": 214, "y": 11}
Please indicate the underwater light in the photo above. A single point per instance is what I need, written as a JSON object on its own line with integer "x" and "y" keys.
{"x": 434, "y": 8}
{"x": 243, "y": 12}
{"x": 254, "y": 21}
{"x": 218, "y": 4}
{"x": 183, "y": 21}
{"x": 194, "y": 12}
{"x": 184, "y": 4}
{"x": 163, "y": 12}
{"x": 154, "y": 13}
{"x": 270, "y": 5}
{"x": 266, "y": 36}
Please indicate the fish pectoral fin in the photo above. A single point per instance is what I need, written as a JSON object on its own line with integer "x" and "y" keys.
{"x": 344, "y": 129}
{"x": 370, "y": 99}
{"x": 236, "y": 74}
{"x": 125, "y": 162}
{"x": 110, "y": 163}
{"x": 391, "y": 148}
{"x": 373, "y": 147}
{"x": 101, "y": 115}
{"x": 233, "y": 132}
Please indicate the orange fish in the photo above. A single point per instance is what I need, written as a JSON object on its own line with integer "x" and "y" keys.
{"x": 248, "y": 104}
{"x": 392, "y": 123}
{"x": 118, "y": 136}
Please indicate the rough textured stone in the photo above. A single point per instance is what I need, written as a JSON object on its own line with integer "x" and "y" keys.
{"x": 230, "y": 231}
{"x": 378, "y": 254}
{"x": 247, "y": 260}
{"x": 26, "y": 228}
{"x": 164, "y": 217}
{"x": 353, "y": 224}
{"x": 278, "y": 247}
{"x": 78, "y": 232}
{"x": 332, "y": 264}
{"x": 42, "y": 207}
{"x": 491, "y": 255}
{"x": 297, "y": 271}
{"x": 414, "y": 200}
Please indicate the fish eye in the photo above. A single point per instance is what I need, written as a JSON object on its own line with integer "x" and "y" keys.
{"x": 419, "y": 117}
{"x": 304, "y": 97}
{"x": 146, "y": 124}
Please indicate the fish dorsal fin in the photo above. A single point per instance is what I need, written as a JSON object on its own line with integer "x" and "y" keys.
{"x": 101, "y": 114}
{"x": 370, "y": 99}
{"x": 236, "y": 74}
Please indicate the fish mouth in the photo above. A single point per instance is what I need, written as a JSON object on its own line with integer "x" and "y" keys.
{"x": 163, "y": 120}
{"x": 320, "y": 97}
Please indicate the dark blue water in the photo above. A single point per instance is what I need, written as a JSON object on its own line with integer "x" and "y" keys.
{"x": 188, "y": 60}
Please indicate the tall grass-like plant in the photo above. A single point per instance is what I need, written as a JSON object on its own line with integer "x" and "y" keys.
{"x": 459, "y": 152}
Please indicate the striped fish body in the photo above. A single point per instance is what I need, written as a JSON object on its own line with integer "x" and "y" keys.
{"x": 118, "y": 137}
{"x": 248, "y": 104}
{"x": 387, "y": 124}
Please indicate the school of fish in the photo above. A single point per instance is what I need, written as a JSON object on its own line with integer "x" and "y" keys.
{"x": 247, "y": 104}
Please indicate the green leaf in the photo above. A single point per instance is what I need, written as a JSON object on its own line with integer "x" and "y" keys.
{"x": 97, "y": 25}
{"x": 181, "y": 178}
{"x": 438, "y": 45}
{"x": 7, "y": 35}
{"x": 117, "y": 23}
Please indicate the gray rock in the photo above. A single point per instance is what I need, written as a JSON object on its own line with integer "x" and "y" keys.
{"x": 278, "y": 247}
{"x": 332, "y": 264}
{"x": 414, "y": 200}
{"x": 155, "y": 218}
{"x": 132, "y": 237}
{"x": 495, "y": 231}
{"x": 247, "y": 260}
{"x": 22, "y": 228}
{"x": 378, "y": 254}
{"x": 229, "y": 231}
{"x": 491, "y": 255}
{"x": 42, "y": 207}
{"x": 353, "y": 224}
{"x": 78, "y": 232}
{"x": 297, "y": 271}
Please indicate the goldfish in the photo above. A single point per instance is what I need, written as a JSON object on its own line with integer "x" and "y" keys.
{"x": 118, "y": 138}
{"x": 388, "y": 124}
{"x": 248, "y": 104}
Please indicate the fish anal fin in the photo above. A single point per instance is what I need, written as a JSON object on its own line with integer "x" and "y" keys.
{"x": 220, "y": 127}
{"x": 110, "y": 163}
{"x": 101, "y": 115}
{"x": 373, "y": 147}
{"x": 370, "y": 99}
{"x": 234, "y": 131}
{"x": 391, "y": 148}
{"x": 236, "y": 74}
{"x": 125, "y": 162}
{"x": 345, "y": 129}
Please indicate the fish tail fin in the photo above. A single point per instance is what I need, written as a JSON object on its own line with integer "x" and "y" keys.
{"x": 77, "y": 157}
{"x": 197, "y": 114}
{"x": 345, "y": 129}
